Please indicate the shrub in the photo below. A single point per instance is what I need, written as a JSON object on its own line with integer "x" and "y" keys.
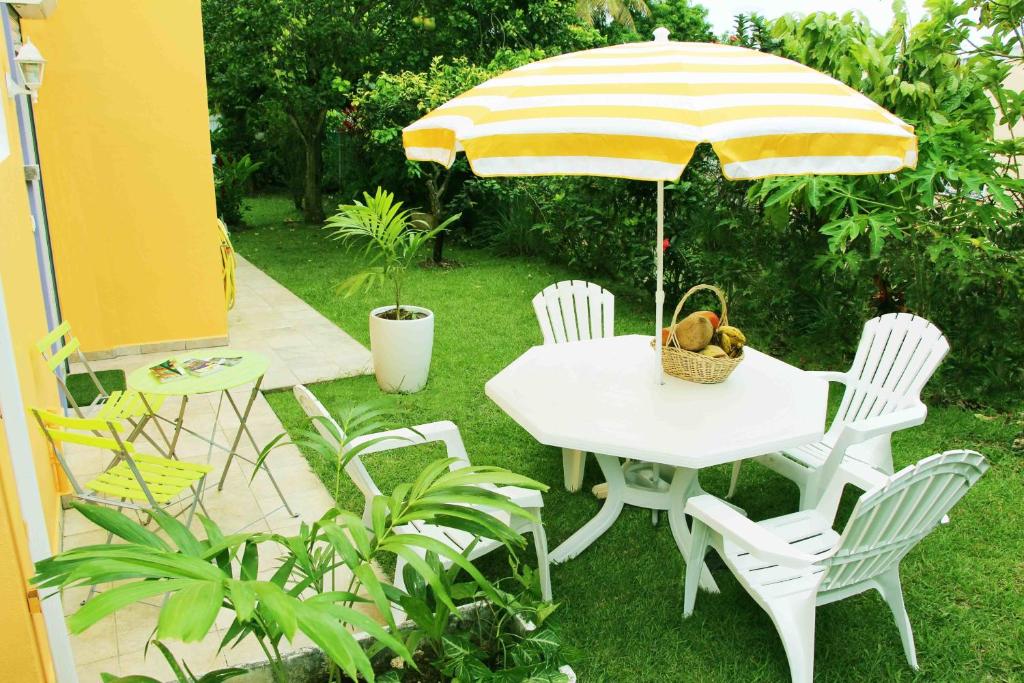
{"x": 231, "y": 180}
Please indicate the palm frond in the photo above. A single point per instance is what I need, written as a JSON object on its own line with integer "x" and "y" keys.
{"x": 389, "y": 235}
{"x": 619, "y": 11}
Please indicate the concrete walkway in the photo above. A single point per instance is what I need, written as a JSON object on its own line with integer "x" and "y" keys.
{"x": 303, "y": 347}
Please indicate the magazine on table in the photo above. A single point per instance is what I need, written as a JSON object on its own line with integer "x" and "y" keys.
{"x": 168, "y": 371}
{"x": 201, "y": 367}
{"x": 172, "y": 370}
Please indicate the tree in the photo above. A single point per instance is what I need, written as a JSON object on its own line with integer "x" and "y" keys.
{"x": 479, "y": 29}
{"x": 619, "y": 11}
{"x": 685, "y": 21}
{"x": 465, "y": 42}
{"x": 754, "y": 31}
{"x": 946, "y": 234}
{"x": 916, "y": 74}
{"x": 298, "y": 57}
{"x": 393, "y": 101}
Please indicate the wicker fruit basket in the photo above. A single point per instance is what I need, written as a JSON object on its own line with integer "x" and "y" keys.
{"x": 690, "y": 365}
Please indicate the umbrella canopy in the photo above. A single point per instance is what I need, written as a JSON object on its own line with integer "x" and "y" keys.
{"x": 639, "y": 110}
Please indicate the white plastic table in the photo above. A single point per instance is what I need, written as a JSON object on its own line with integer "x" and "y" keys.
{"x": 599, "y": 396}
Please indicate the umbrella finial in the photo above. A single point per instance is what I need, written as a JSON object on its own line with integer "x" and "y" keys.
{"x": 661, "y": 34}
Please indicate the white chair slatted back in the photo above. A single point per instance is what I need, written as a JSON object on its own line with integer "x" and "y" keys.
{"x": 897, "y": 355}
{"x": 889, "y": 521}
{"x": 354, "y": 468}
{"x": 574, "y": 310}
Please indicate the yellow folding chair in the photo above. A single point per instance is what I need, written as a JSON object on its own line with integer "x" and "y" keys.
{"x": 58, "y": 346}
{"x": 135, "y": 480}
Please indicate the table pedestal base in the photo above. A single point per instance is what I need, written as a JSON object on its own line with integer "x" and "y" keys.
{"x": 636, "y": 487}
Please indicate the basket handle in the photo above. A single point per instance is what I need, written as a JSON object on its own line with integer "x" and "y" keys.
{"x": 679, "y": 307}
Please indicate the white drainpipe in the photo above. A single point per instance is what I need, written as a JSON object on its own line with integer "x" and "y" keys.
{"x": 12, "y": 407}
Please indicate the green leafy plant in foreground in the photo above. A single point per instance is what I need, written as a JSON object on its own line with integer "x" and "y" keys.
{"x": 391, "y": 238}
{"x": 201, "y": 576}
{"x": 508, "y": 642}
{"x": 337, "y": 442}
{"x": 182, "y": 674}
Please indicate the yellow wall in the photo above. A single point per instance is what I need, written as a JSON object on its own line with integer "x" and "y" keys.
{"x": 124, "y": 144}
{"x": 23, "y": 650}
{"x": 123, "y": 133}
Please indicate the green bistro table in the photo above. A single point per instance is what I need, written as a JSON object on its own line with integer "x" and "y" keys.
{"x": 251, "y": 368}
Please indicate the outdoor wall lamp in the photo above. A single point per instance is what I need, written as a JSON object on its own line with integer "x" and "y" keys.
{"x": 30, "y": 63}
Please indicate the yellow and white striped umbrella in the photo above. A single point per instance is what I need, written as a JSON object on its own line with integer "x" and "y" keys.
{"x": 639, "y": 110}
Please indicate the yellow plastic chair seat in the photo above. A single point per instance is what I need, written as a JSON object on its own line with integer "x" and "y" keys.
{"x": 125, "y": 404}
{"x": 165, "y": 478}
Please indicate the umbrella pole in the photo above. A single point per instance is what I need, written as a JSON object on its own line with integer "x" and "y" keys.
{"x": 659, "y": 295}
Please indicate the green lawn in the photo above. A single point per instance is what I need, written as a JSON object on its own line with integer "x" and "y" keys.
{"x": 84, "y": 391}
{"x": 621, "y": 600}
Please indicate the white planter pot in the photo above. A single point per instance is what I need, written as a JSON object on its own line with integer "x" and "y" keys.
{"x": 401, "y": 349}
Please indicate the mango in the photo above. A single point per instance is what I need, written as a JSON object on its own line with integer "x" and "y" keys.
{"x": 713, "y": 351}
{"x": 694, "y": 332}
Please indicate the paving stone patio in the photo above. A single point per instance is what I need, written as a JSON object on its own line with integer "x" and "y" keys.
{"x": 303, "y": 347}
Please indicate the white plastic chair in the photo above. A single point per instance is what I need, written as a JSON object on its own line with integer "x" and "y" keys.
{"x": 792, "y": 564}
{"x": 568, "y": 311}
{"x": 897, "y": 355}
{"x": 574, "y": 310}
{"x": 448, "y": 434}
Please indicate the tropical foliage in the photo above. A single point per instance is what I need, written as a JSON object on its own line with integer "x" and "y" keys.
{"x": 806, "y": 260}
{"x": 603, "y": 11}
{"x": 181, "y": 670}
{"x": 507, "y": 643}
{"x": 231, "y": 181}
{"x": 944, "y": 238}
{"x": 200, "y": 576}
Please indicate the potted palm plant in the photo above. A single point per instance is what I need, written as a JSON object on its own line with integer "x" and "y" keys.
{"x": 401, "y": 336}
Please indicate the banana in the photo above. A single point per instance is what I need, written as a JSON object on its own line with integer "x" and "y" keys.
{"x": 732, "y": 340}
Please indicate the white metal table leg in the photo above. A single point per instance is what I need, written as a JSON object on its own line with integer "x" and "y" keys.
{"x": 213, "y": 430}
{"x": 684, "y": 485}
{"x": 172, "y": 444}
{"x": 592, "y": 530}
{"x": 243, "y": 425}
{"x": 238, "y": 434}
